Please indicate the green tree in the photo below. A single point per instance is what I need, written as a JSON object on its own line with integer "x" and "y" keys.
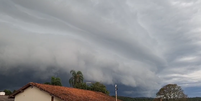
{"x": 77, "y": 77}
{"x": 7, "y": 92}
{"x": 171, "y": 92}
{"x": 54, "y": 81}
{"x": 82, "y": 86}
{"x": 47, "y": 83}
{"x": 97, "y": 86}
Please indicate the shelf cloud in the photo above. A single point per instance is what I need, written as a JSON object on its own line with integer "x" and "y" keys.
{"x": 138, "y": 44}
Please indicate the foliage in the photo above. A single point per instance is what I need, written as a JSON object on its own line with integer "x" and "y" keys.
{"x": 54, "y": 81}
{"x": 82, "y": 86}
{"x": 97, "y": 86}
{"x": 77, "y": 78}
{"x": 134, "y": 99}
{"x": 171, "y": 92}
{"x": 7, "y": 92}
{"x": 77, "y": 82}
{"x": 47, "y": 83}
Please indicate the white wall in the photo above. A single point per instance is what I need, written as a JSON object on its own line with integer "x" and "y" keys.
{"x": 57, "y": 99}
{"x": 2, "y": 93}
{"x": 34, "y": 94}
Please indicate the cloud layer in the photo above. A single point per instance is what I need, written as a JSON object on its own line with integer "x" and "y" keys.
{"x": 138, "y": 44}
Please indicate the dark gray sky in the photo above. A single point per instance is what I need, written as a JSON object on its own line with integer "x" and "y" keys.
{"x": 141, "y": 45}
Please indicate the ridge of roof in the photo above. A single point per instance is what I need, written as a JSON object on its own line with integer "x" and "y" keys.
{"x": 67, "y": 93}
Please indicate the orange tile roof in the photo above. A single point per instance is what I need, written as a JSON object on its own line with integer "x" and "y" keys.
{"x": 68, "y": 94}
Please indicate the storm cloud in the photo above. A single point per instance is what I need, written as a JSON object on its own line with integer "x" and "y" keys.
{"x": 138, "y": 44}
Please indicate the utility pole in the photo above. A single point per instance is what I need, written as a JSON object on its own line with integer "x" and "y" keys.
{"x": 86, "y": 84}
{"x": 116, "y": 91}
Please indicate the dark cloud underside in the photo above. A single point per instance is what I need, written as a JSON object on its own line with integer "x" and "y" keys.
{"x": 141, "y": 45}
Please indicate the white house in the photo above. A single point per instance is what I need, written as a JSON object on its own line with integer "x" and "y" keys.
{"x": 43, "y": 92}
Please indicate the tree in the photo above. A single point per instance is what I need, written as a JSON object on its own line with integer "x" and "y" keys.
{"x": 47, "y": 83}
{"x": 54, "y": 81}
{"x": 97, "y": 86}
{"x": 82, "y": 86}
{"x": 77, "y": 77}
{"x": 7, "y": 92}
{"x": 171, "y": 92}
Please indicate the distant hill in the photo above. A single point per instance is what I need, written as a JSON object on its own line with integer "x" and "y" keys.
{"x": 123, "y": 98}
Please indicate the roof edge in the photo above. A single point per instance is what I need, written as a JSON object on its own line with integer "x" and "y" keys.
{"x": 20, "y": 90}
{"x": 27, "y": 86}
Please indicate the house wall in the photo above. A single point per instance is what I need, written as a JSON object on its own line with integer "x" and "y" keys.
{"x": 34, "y": 94}
{"x": 57, "y": 99}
